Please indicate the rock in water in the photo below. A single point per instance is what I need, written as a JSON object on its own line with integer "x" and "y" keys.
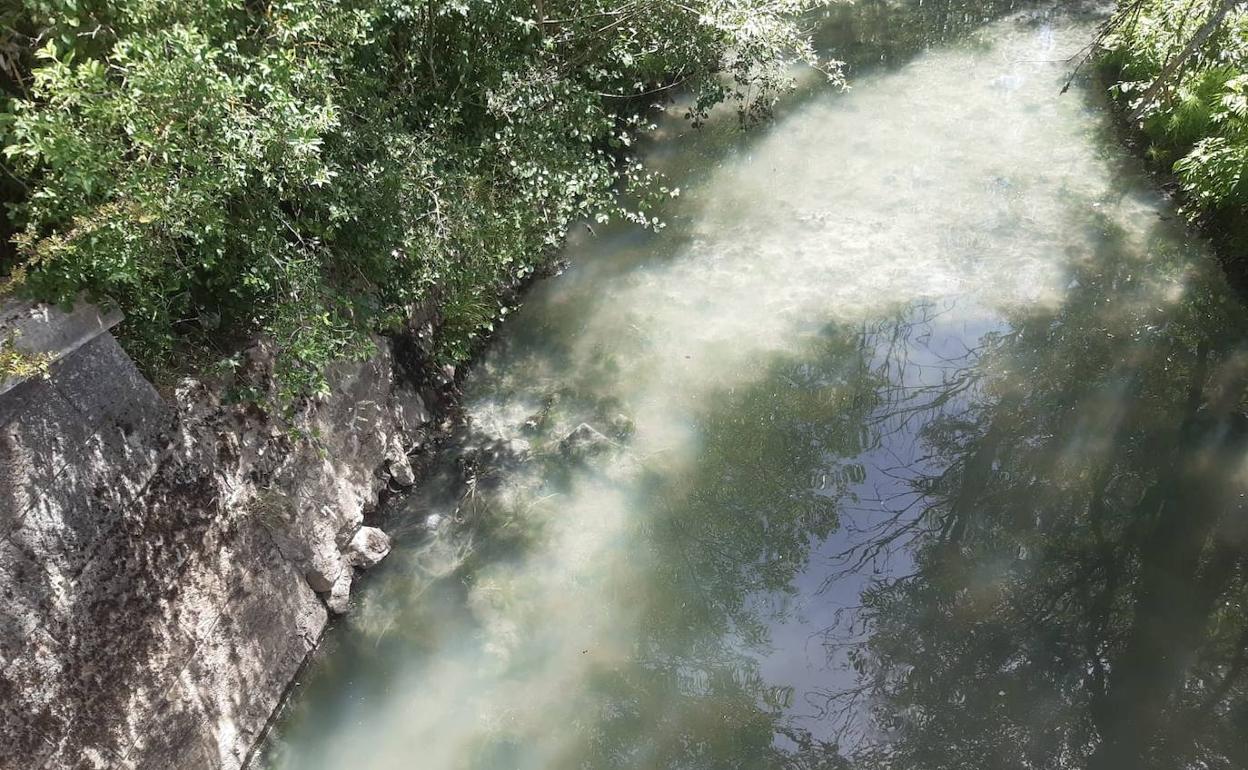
{"x": 583, "y": 442}
{"x": 322, "y": 573}
{"x": 339, "y": 599}
{"x": 401, "y": 471}
{"x": 369, "y": 546}
{"x": 519, "y": 450}
{"x": 622, "y": 426}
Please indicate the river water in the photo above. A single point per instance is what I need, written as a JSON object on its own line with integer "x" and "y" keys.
{"x": 915, "y": 440}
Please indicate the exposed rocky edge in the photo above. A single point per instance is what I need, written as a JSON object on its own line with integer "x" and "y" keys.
{"x": 160, "y": 559}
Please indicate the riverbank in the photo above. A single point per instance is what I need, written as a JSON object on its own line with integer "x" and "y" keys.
{"x": 300, "y": 219}
{"x": 168, "y": 565}
{"x": 308, "y": 173}
{"x": 1176, "y": 72}
{"x": 1223, "y": 230}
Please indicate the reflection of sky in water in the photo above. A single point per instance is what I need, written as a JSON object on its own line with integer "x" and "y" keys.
{"x": 812, "y": 629}
{"x": 869, "y": 240}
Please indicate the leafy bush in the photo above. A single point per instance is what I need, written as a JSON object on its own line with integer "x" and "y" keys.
{"x": 1198, "y": 124}
{"x": 18, "y": 364}
{"x": 308, "y": 169}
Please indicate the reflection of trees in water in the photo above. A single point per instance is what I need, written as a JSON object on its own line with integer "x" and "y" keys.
{"x": 905, "y": 404}
{"x": 889, "y": 31}
{"x": 1079, "y": 572}
{"x": 737, "y": 525}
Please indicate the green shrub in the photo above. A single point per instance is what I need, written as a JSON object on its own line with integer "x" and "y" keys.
{"x": 308, "y": 169}
{"x": 1199, "y": 125}
{"x": 18, "y": 364}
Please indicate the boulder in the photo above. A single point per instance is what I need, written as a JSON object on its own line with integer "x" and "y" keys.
{"x": 410, "y": 410}
{"x": 400, "y": 470}
{"x": 323, "y": 573}
{"x": 339, "y": 599}
{"x": 369, "y": 546}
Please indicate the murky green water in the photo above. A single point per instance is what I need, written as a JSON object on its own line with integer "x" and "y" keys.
{"x": 922, "y": 446}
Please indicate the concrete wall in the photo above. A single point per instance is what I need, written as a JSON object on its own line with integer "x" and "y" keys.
{"x": 158, "y": 556}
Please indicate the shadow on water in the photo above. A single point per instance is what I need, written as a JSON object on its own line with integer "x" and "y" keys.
{"x": 886, "y": 33}
{"x": 1075, "y": 585}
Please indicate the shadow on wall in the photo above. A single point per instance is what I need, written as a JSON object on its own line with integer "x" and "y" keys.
{"x": 134, "y": 606}
{"x": 156, "y": 603}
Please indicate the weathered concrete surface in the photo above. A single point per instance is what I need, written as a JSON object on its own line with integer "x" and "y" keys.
{"x": 158, "y": 557}
{"x": 36, "y": 329}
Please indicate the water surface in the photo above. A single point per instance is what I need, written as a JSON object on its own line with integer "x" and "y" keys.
{"x": 916, "y": 440}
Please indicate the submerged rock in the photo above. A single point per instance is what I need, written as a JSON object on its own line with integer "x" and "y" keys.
{"x": 622, "y": 426}
{"x": 583, "y": 441}
{"x": 519, "y": 449}
{"x": 369, "y": 546}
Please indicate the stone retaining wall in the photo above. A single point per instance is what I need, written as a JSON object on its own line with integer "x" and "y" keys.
{"x": 158, "y": 557}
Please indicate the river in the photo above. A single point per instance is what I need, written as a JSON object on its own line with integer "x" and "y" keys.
{"x": 914, "y": 440}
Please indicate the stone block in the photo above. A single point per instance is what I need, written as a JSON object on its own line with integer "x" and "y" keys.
{"x": 241, "y": 671}
{"x": 39, "y": 329}
{"x": 34, "y": 596}
{"x": 33, "y": 716}
{"x": 36, "y": 447}
{"x": 105, "y": 385}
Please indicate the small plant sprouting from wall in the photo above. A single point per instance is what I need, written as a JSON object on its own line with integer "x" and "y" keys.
{"x": 19, "y": 365}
